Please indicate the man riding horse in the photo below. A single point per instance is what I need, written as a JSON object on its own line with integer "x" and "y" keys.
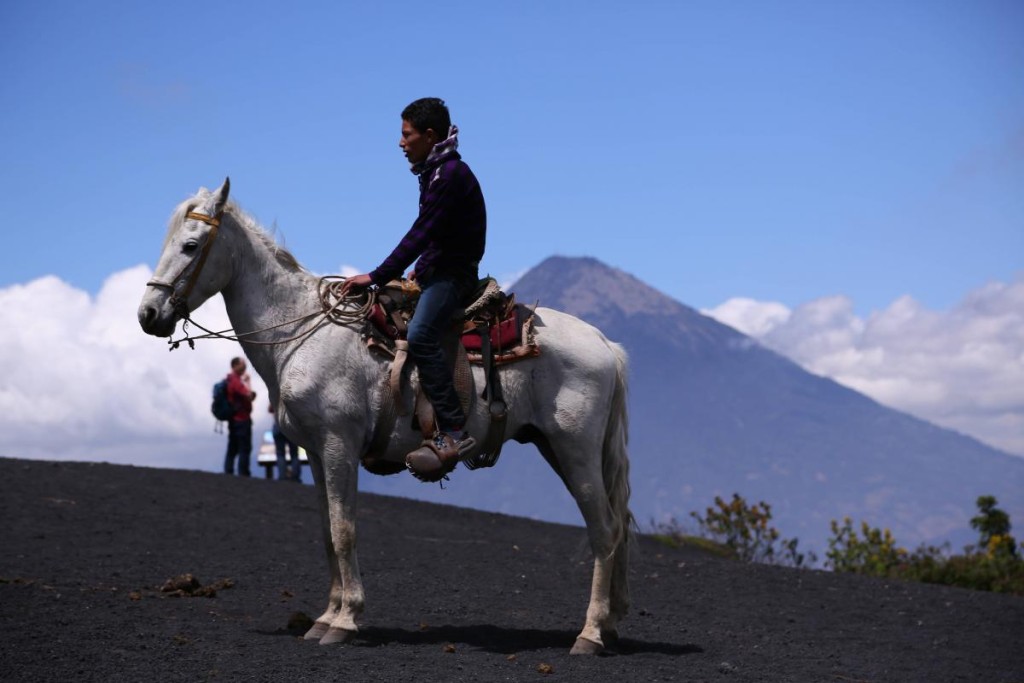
{"x": 447, "y": 238}
{"x": 330, "y": 389}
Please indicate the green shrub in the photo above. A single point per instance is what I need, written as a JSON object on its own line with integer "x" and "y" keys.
{"x": 874, "y": 551}
{"x": 739, "y": 530}
{"x": 994, "y": 526}
{"x": 994, "y": 565}
{"x": 743, "y": 530}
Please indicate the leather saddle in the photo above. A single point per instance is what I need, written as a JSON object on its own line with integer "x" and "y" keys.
{"x": 492, "y": 330}
{"x": 492, "y": 316}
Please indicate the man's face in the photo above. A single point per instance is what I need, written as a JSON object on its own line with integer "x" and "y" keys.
{"x": 416, "y": 145}
{"x": 239, "y": 368}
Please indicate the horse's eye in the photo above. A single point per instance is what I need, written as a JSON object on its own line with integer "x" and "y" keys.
{"x": 190, "y": 246}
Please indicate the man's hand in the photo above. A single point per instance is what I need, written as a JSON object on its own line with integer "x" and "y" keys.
{"x": 356, "y": 282}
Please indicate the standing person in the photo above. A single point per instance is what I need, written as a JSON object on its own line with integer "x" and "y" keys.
{"x": 447, "y": 238}
{"x": 241, "y": 396}
{"x": 281, "y": 444}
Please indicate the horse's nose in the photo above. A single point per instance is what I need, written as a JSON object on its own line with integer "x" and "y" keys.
{"x": 147, "y": 314}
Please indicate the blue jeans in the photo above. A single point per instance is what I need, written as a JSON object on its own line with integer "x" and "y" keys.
{"x": 240, "y": 444}
{"x": 442, "y": 295}
{"x": 281, "y": 442}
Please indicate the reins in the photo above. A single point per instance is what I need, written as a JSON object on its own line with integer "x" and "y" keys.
{"x": 328, "y": 288}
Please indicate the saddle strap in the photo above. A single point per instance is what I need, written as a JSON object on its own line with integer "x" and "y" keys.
{"x": 463, "y": 377}
{"x": 399, "y": 322}
{"x": 490, "y": 450}
{"x": 487, "y": 356}
{"x": 373, "y": 459}
{"x": 401, "y": 355}
{"x": 424, "y": 414}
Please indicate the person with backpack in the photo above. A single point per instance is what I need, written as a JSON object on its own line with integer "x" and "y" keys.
{"x": 240, "y": 395}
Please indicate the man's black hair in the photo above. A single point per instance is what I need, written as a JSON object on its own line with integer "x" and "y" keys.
{"x": 236, "y": 360}
{"x": 429, "y": 112}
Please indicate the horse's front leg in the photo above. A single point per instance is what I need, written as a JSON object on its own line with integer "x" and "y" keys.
{"x": 323, "y": 622}
{"x": 341, "y": 477}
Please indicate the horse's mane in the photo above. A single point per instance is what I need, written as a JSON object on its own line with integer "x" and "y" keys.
{"x": 244, "y": 220}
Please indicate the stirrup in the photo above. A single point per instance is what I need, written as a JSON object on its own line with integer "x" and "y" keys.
{"x": 481, "y": 460}
{"x": 430, "y": 464}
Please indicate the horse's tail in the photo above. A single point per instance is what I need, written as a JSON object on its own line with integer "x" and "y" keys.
{"x": 614, "y": 455}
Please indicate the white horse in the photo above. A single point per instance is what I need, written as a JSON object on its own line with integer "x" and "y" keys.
{"x": 327, "y": 389}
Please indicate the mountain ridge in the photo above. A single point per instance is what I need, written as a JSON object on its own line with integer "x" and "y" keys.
{"x": 713, "y": 412}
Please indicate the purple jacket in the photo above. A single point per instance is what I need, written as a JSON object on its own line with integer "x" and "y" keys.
{"x": 449, "y": 234}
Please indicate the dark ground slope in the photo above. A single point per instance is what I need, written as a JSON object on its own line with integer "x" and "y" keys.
{"x": 453, "y": 595}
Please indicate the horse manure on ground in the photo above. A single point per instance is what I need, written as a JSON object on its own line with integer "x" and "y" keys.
{"x": 188, "y": 586}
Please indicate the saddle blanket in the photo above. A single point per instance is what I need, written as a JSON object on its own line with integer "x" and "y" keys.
{"x": 511, "y": 339}
{"x": 506, "y": 334}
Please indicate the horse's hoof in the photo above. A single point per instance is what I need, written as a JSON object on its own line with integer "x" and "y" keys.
{"x": 586, "y": 647}
{"x": 337, "y": 636}
{"x": 317, "y": 632}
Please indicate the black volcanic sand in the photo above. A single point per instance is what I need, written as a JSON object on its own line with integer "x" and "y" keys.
{"x": 452, "y": 595}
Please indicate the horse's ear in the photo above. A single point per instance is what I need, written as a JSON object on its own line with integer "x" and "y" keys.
{"x": 222, "y": 196}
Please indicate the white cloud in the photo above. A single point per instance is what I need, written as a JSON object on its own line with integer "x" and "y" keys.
{"x": 751, "y": 317}
{"x": 79, "y": 380}
{"x": 962, "y": 368}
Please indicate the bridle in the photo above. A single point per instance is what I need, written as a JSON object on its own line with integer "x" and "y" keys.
{"x": 179, "y": 300}
{"x": 329, "y": 287}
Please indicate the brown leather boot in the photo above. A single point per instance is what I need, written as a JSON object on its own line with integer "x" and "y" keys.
{"x": 438, "y": 456}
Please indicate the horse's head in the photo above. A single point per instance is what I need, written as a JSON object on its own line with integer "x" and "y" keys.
{"x": 193, "y": 266}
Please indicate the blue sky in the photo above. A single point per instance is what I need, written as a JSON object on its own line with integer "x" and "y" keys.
{"x": 781, "y": 151}
{"x": 843, "y": 181}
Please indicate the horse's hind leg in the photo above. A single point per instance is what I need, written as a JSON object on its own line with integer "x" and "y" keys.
{"x": 619, "y": 595}
{"x": 599, "y": 625}
{"x": 580, "y": 464}
{"x": 609, "y": 602}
